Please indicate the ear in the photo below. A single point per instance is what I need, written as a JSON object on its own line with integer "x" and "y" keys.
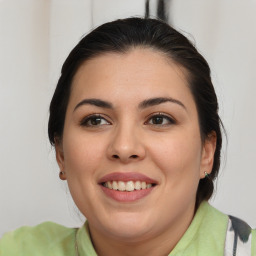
{"x": 208, "y": 151}
{"x": 60, "y": 157}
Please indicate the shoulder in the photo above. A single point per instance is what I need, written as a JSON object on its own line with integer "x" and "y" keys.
{"x": 45, "y": 237}
{"x": 254, "y": 242}
{"x": 228, "y": 232}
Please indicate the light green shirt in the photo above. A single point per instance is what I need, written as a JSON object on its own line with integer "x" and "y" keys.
{"x": 205, "y": 236}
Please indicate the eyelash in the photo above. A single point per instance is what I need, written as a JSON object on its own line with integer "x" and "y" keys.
{"x": 170, "y": 120}
{"x": 85, "y": 121}
{"x": 93, "y": 117}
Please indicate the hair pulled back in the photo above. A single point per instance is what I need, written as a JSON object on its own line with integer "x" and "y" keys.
{"x": 122, "y": 35}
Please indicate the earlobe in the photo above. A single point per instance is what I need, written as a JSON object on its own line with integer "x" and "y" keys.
{"x": 60, "y": 158}
{"x": 62, "y": 175}
{"x": 208, "y": 154}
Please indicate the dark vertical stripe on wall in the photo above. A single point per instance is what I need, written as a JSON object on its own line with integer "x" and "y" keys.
{"x": 147, "y": 9}
{"x": 162, "y": 11}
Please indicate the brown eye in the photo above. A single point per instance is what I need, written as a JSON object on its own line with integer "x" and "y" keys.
{"x": 157, "y": 120}
{"x": 95, "y": 120}
{"x": 160, "y": 119}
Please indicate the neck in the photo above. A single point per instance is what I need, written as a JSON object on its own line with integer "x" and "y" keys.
{"x": 160, "y": 244}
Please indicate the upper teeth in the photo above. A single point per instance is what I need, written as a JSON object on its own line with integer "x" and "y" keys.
{"x": 127, "y": 186}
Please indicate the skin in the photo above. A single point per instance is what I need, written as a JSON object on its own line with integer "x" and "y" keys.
{"x": 128, "y": 140}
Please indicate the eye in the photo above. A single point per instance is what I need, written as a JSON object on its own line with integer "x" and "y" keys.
{"x": 160, "y": 120}
{"x": 94, "y": 120}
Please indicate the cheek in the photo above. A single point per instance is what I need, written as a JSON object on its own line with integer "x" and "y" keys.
{"x": 82, "y": 154}
{"x": 178, "y": 155}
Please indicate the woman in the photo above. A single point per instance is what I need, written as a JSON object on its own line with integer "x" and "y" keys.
{"x": 134, "y": 121}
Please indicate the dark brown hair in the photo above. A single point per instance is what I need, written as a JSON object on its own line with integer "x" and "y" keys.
{"x": 120, "y": 36}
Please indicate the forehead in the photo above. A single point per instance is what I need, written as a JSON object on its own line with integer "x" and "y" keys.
{"x": 138, "y": 74}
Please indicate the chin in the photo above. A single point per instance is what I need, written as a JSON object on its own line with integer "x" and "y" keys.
{"x": 128, "y": 226}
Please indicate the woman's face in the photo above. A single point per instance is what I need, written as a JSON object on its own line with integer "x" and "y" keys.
{"x": 131, "y": 149}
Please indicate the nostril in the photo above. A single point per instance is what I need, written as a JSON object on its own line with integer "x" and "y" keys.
{"x": 133, "y": 156}
{"x": 115, "y": 156}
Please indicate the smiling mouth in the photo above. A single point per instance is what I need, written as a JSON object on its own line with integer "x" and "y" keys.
{"x": 127, "y": 186}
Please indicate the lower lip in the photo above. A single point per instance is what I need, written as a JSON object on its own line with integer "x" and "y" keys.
{"x": 124, "y": 196}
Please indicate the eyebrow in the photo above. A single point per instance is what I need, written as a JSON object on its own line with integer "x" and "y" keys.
{"x": 94, "y": 102}
{"x": 156, "y": 101}
{"x": 144, "y": 104}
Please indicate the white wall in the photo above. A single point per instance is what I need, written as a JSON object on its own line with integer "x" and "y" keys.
{"x": 35, "y": 38}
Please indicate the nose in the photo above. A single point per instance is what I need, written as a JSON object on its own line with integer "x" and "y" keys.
{"x": 126, "y": 145}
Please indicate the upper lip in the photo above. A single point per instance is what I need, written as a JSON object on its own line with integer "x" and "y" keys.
{"x": 126, "y": 176}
